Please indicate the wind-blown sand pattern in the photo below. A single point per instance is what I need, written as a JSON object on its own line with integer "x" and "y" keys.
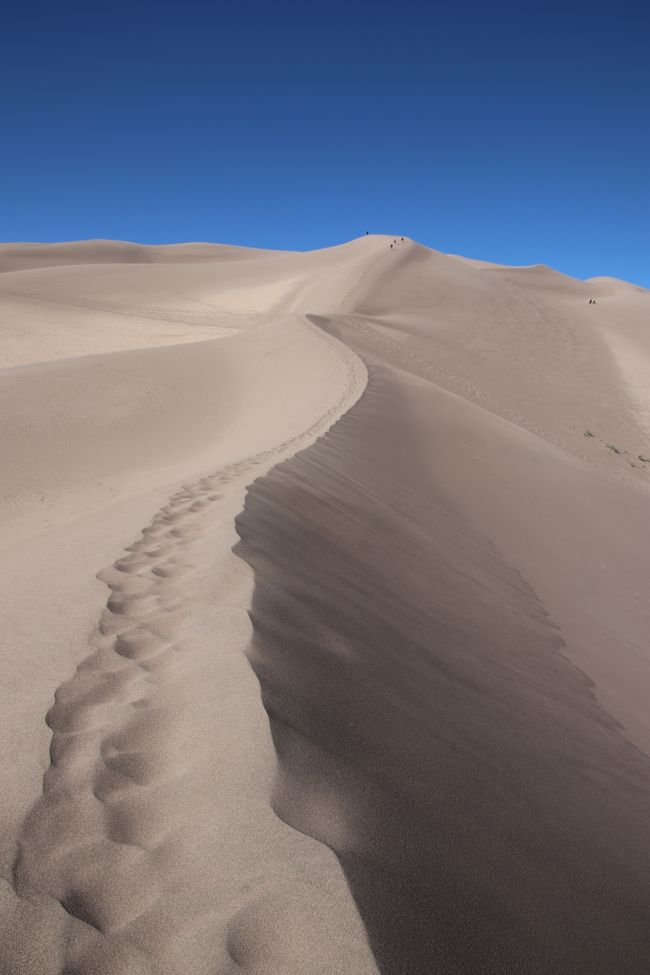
{"x": 443, "y": 550}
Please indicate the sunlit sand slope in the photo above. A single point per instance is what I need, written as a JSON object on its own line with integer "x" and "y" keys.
{"x": 426, "y": 750}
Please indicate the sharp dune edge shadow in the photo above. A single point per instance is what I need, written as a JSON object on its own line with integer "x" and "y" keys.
{"x": 486, "y": 812}
{"x": 430, "y": 472}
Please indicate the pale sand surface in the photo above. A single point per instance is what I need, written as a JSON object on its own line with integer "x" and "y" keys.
{"x": 448, "y": 593}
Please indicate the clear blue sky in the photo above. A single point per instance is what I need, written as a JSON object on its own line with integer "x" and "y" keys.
{"x": 515, "y": 132}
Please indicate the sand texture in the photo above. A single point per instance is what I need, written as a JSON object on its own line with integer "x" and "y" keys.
{"x": 324, "y": 614}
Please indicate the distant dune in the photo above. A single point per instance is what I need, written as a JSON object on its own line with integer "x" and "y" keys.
{"x": 324, "y": 613}
{"x": 616, "y": 282}
{"x": 19, "y": 257}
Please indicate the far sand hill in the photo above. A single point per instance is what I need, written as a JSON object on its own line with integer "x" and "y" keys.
{"x": 324, "y": 613}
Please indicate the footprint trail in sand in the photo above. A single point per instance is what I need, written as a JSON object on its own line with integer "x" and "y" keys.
{"x": 104, "y": 840}
{"x": 499, "y": 449}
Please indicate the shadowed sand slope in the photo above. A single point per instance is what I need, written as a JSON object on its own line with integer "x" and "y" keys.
{"x": 448, "y": 596}
{"x": 487, "y": 813}
{"x": 427, "y": 575}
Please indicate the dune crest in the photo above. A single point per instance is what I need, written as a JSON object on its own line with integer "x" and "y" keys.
{"x": 444, "y": 567}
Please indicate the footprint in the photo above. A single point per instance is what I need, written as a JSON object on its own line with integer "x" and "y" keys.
{"x": 140, "y": 644}
{"x": 128, "y": 564}
{"x": 183, "y": 531}
{"x": 133, "y": 605}
{"x": 167, "y": 570}
{"x": 199, "y": 505}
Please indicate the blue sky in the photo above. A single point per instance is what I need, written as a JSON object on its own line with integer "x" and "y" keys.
{"x": 514, "y": 132}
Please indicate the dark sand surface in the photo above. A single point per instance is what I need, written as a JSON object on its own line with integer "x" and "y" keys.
{"x": 488, "y": 814}
{"x": 448, "y": 580}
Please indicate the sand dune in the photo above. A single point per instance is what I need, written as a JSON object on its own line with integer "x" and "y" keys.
{"x": 16, "y": 257}
{"x": 443, "y": 549}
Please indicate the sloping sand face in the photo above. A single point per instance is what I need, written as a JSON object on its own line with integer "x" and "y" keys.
{"x": 487, "y": 800}
{"x": 445, "y": 572}
{"x": 486, "y": 811}
{"x": 137, "y": 831}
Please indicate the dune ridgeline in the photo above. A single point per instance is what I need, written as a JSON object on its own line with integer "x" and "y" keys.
{"x": 325, "y": 619}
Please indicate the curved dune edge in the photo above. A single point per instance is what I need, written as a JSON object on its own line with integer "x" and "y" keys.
{"x": 485, "y": 381}
{"x": 485, "y": 808}
{"x": 112, "y": 863}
